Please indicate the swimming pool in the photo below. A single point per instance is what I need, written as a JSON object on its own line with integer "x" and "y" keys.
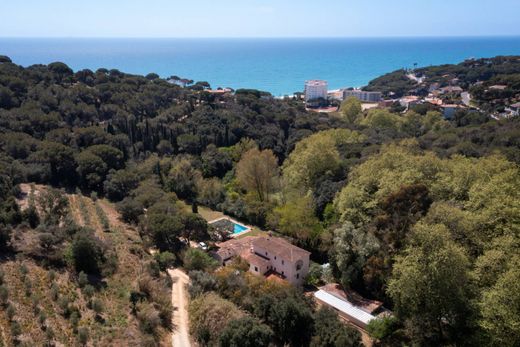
{"x": 231, "y": 226}
{"x": 238, "y": 228}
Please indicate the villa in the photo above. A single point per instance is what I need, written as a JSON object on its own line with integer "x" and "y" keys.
{"x": 269, "y": 256}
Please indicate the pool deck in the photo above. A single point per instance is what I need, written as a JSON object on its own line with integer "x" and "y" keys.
{"x": 233, "y": 235}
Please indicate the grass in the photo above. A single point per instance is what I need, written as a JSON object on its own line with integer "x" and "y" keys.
{"x": 209, "y": 214}
{"x": 254, "y": 232}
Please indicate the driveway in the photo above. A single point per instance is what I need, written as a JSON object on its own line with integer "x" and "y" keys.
{"x": 180, "y": 336}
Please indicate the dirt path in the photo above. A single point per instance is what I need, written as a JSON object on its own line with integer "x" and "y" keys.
{"x": 180, "y": 337}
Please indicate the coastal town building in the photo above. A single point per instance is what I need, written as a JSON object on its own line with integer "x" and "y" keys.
{"x": 315, "y": 89}
{"x": 449, "y": 110}
{"x": 409, "y": 100}
{"x": 498, "y": 87}
{"x": 269, "y": 256}
{"x": 336, "y": 94}
{"x": 451, "y": 90}
{"x": 362, "y": 95}
{"x": 514, "y": 109}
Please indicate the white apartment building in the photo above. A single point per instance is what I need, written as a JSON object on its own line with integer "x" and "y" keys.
{"x": 315, "y": 89}
{"x": 362, "y": 95}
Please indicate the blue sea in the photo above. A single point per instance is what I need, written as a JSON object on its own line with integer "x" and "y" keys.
{"x": 279, "y": 66}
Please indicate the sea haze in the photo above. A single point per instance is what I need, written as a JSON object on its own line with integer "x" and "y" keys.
{"x": 279, "y": 66}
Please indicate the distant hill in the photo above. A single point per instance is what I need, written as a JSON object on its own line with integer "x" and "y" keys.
{"x": 474, "y": 75}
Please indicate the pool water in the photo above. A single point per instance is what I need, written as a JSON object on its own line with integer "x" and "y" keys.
{"x": 238, "y": 228}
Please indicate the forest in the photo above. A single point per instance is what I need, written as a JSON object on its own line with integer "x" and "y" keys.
{"x": 419, "y": 212}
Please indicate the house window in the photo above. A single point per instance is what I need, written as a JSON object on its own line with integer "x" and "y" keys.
{"x": 283, "y": 273}
{"x": 256, "y": 269}
{"x": 275, "y": 257}
{"x": 265, "y": 253}
{"x": 282, "y": 262}
{"x": 299, "y": 265}
{"x": 297, "y": 275}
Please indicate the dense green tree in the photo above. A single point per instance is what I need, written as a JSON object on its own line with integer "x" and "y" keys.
{"x": 317, "y": 156}
{"x": 500, "y": 308}
{"x": 119, "y": 184}
{"x": 130, "y": 210}
{"x": 245, "y": 332}
{"x": 351, "y": 109}
{"x": 53, "y": 205}
{"x": 209, "y": 316}
{"x": 431, "y": 286}
{"x": 87, "y": 252}
{"x": 195, "y": 227}
{"x": 164, "y": 230}
{"x": 196, "y": 259}
{"x": 329, "y": 331}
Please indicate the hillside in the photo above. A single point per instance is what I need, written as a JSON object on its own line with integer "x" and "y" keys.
{"x": 56, "y": 306}
{"x": 493, "y": 82}
{"x": 407, "y": 206}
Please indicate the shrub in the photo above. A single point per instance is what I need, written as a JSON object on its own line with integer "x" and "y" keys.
{"x": 83, "y": 335}
{"x": 63, "y": 303}
{"x": 74, "y": 320}
{"x": 381, "y": 328}
{"x": 200, "y": 283}
{"x": 97, "y": 306}
{"x": 28, "y": 286}
{"x": 89, "y": 291}
{"x": 49, "y": 333}
{"x": 5, "y": 236}
{"x": 165, "y": 259}
{"x": 245, "y": 332}
{"x": 148, "y": 317}
{"x": 10, "y": 311}
{"x": 42, "y": 317}
{"x": 130, "y": 210}
{"x": 55, "y": 292}
{"x": 102, "y": 216}
{"x": 4, "y": 295}
{"x": 209, "y": 315}
{"x": 16, "y": 329}
{"x": 330, "y": 331}
{"x": 51, "y": 276}
{"x": 196, "y": 259}
{"x": 83, "y": 209}
{"x": 87, "y": 253}
{"x": 82, "y": 279}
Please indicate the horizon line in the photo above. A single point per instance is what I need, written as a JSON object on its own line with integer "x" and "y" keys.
{"x": 266, "y": 37}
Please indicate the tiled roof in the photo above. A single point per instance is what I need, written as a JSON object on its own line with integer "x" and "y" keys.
{"x": 273, "y": 245}
{"x": 280, "y": 247}
{"x": 255, "y": 259}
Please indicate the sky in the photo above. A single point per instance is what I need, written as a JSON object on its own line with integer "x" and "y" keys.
{"x": 258, "y": 18}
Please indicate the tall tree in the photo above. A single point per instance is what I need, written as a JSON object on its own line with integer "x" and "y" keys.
{"x": 257, "y": 172}
{"x": 431, "y": 286}
{"x": 351, "y": 108}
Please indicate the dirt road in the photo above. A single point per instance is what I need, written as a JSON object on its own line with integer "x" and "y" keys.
{"x": 180, "y": 337}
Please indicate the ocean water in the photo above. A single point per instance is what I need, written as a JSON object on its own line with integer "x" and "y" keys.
{"x": 279, "y": 66}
